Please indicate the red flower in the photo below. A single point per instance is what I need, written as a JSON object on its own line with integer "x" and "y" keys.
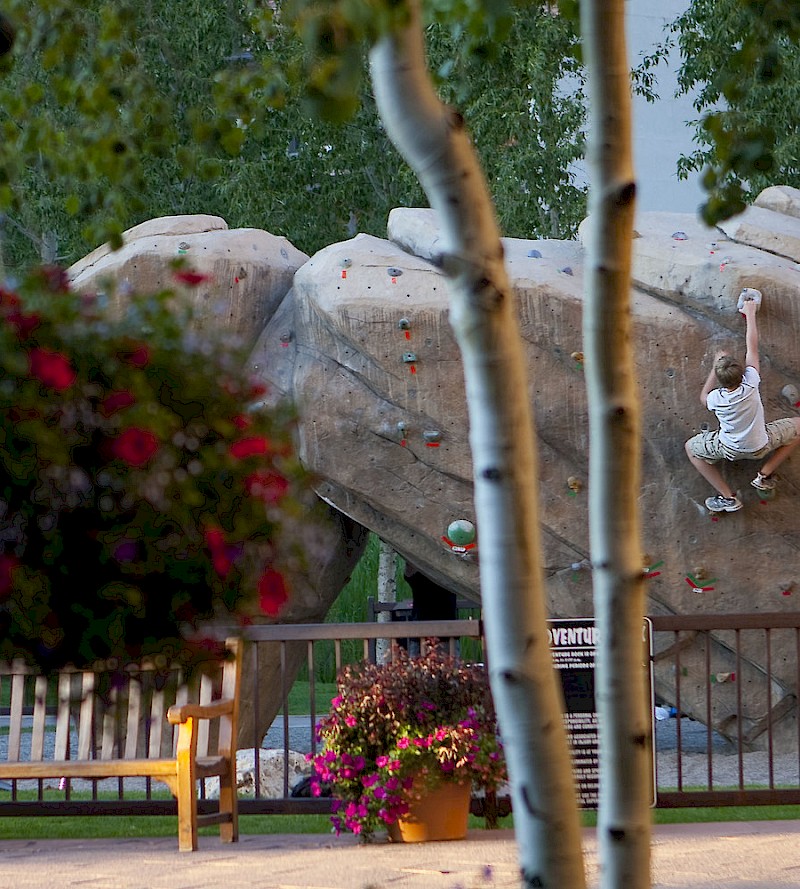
{"x": 191, "y": 278}
{"x": 137, "y": 356}
{"x": 25, "y": 324}
{"x": 242, "y": 421}
{"x": 223, "y": 554}
{"x": 249, "y": 447}
{"x": 272, "y": 593}
{"x": 267, "y": 484}
{"x": 116, "y": 401}
{"x": 8, "y": 565}
{"x": 52, "y": 368}
{"x": 135, "y": 446}
{"x": 54, "y": 278}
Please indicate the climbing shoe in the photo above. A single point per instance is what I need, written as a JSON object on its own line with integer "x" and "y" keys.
{"x": 764, "y": 482}
{"x": 723, "y": 504}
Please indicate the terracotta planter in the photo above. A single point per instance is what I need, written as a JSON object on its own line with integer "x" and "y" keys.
{"x": 441, "y": 814}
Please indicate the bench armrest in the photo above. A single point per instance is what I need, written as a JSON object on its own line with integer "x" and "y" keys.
{"x": 178, "y": 714}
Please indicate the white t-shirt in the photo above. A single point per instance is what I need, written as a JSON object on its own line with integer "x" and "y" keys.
{"x": 740, "y": 414}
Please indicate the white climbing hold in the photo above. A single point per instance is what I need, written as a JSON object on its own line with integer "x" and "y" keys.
{"x": 747, "y": 295}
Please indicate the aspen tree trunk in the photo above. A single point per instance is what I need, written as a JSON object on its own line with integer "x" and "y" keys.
{"x": 433, "y": 140}
{"x": 614, "y": 462}
{"x": 387, "y": 592}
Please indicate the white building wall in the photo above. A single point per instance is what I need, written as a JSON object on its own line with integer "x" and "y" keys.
{"x": 660, "y": 131}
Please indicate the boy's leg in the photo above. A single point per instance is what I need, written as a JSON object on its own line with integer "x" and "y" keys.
{"x": 780, "y": 454}
{"x": 709, "y": 471}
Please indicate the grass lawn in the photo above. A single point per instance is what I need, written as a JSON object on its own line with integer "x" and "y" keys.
{"x": 61, "y": 827}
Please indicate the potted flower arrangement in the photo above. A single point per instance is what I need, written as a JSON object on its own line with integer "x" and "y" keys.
{"x": 140, "y": 493}
{"x": 398, "y": 730}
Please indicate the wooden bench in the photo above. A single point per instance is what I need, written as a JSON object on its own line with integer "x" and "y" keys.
{"x": 139, "y": 721}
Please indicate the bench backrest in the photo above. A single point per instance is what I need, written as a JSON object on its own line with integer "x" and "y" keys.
{"x": 107, "y": 712}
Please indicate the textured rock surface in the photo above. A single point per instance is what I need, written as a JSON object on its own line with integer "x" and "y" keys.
{"x": 248, "y": 271}
{"x": 250, "y": 274}
{"x": 363, "y": 344}
{"x": 377, "y": 376}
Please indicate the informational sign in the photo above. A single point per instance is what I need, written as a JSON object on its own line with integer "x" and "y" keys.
{"x": 573, "y": 643}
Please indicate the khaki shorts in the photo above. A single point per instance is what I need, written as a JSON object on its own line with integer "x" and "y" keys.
{"x": 708, "y": 447}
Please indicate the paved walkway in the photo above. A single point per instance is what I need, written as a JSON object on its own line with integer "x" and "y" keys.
{"x": 756, "y": 855}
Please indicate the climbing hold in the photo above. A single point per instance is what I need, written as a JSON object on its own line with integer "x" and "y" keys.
{"x": 680, "y": 236}
{"x": 577, "y": 356}
{"x": 346, "y": 263}
{"x": 699, "y": 573}
{"x": 791, "y": 394}
{"x": 725, "y": 261}
{"x": 404, "y": 324}
{"x": 285, "y": 338}
{"x": 723, "y": 677}
{"x": 461, "y": 532}
{"x": 402, "y": 426}
{"x": 534, "y": 254}
{"x": 183, "y": 247}
{"x": 574, "y": 484}
{"x": 392, "y": 272}
{"x": 650, "y": 570}
{"x": 409, "y": 357}
{"x": 566, "y": 270}
{"x": 748, "y": 294}
{"x": 432, "y": 437}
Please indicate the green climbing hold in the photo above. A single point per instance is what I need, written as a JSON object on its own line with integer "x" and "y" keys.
{"x": 461, "y": 532}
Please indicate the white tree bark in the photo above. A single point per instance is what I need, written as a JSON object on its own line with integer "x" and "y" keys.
{"x": 387, "y": 592}
{"x": 614, "y": 462}
{"x": 528, "y": 698}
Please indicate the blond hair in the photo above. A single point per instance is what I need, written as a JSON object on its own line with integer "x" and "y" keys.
{"x": 729, "y": 371}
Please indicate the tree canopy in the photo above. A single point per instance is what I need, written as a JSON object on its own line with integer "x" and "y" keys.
{"x": 740, "y": 59}
{"x": 111, "y": 113}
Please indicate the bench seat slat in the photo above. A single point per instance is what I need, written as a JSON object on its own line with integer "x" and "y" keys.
{"x": 207, "y": 767}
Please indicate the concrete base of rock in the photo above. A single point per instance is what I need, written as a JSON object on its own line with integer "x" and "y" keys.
{"x": 270, "y": 771}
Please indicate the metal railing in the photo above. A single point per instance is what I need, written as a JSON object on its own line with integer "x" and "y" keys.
{"x": 735, "y": 677}
{"x": 730, "y": 681}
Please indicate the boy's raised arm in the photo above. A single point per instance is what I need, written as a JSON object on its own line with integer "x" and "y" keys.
{"x": 751, "y": 336}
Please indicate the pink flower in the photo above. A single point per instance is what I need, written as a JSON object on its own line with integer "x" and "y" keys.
{"x": 272, "y": 593}
{"x": 249, "y": 447}
{"x": 403, "y": 743}
{"x": 116, "y": 401}
{"x": 138, "y": 355}
{"x": 51, "y": 368}
{"x": 350, "y": 721}
{"x": 190, "y": 278}
{"x": 267, "y": 484}
{"x": 8, "y": 565}
{"x": 25, "y": 324}
{"x": 381, "y": 761}
{"x": 135, "y": 446}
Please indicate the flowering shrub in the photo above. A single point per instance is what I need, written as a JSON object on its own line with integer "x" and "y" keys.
{"x": 140, "y": 496}
{"x": 396, "y": 729}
